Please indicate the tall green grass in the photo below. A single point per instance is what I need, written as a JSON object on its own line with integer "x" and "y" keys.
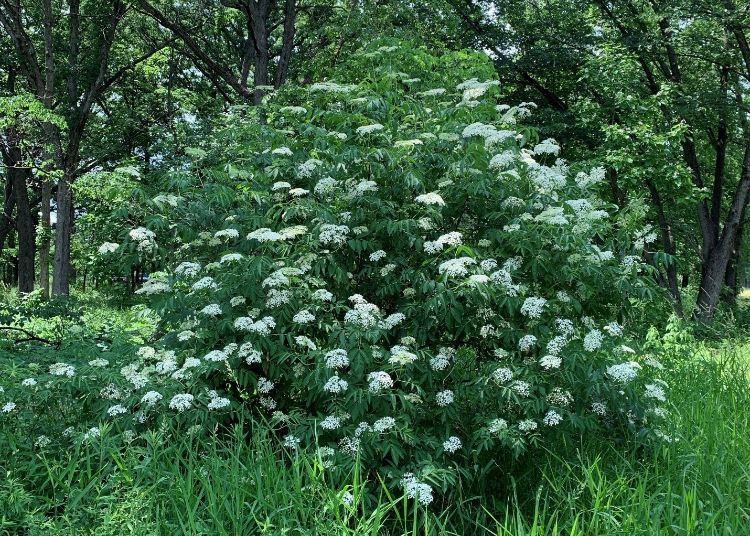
{"x": 242, "y": 482}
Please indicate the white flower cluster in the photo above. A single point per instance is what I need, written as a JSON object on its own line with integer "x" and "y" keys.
{"x": 452, "y": 444}
{"x": 181, "y": 402}
{"x": 333, "y": 234}
{"x": 414, "y": 489}
{"x": 379, "y": 381}
{"x": 456, "y": 267}
{"x": 108, "y": 247}
{"x": 533, "y": 307}
{"x": 144, "y": 239}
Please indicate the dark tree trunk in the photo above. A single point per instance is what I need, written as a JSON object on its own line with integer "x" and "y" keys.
{"x": 44, "y": 245}
{"x": 63, "y": 233}
{"x": 6, "y": 218}
{"x": 668, "y": 243}
{"x": 258, "y": 11}
{"x": 290, "y": 14}
{"x": 718, "y": 258}
{"x": 25, "y": 229}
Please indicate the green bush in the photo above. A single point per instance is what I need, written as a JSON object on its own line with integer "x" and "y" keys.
{"x": 398, "y": 272}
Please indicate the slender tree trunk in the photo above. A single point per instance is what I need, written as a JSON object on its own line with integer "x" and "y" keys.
{"x": 290, "y": 14}
{"x": 44, "y": 244}
{"x": 63, "y": 233}
{"x": 6, "y": 218}
{"x": 668, "y": 243}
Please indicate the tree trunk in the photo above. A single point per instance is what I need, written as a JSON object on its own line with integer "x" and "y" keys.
{"x": 45, "y": 239}
{"x": 6, "y": 219}
{"x": 668, "y": 243}
{"x": 717, "y": 259}
{"x": 290, "y": 14}
{"x": 63, "y": 232}
{"x": 25, "y": 229}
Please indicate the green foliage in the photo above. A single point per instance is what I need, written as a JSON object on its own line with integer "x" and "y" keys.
{"x": 400, "y": 269}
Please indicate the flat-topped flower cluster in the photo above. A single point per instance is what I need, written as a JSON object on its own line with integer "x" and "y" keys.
{"x": 409, "y": 276}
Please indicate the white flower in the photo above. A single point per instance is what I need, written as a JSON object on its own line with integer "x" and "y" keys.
{"x": 377, "y": 255}
{"x": 303, "y": 317}
{"x": 413, "y": 489}
{"x": 593, "y": 340}
{"x": 322, "y": 295}
{"x": 261, "y": 327}
{"x": 526, "y": 342}
{"x": 98, "y": 362}
{"x": 227, "y": 233}
{"x": 401, "y": 356}
{"x": 337, "y": 359}
{"x": 550, "y": 362}
{"x": 326, "y": 186}
{"x": 599, "y": 408}
{"x": 151, "y": 398}
{"x": 92, "y": 433}
{"x": 502, "y": 375}
{"x": 452, "y": 444}
{"x": 369, "y": 129}
{"x": 552, "y": 418}
{"x": 444, "y": 398}
{"x": 623, "y": 372}
{"x": 497, "y": 426}
{"x": 216, "y": 356}
{"x": 521, "y": 387}
{"x": 42, "y": 441}
{"x": 333, "y": 234}
{"x": 282, "y": 151}
{"x": 115, "y": 410}
{"x": 205, "y": 283}
{"x": 108, "y": 247}
{"x": 280, "y": 185}
{"x": 656, "y": 392}
{"x": 8, "y": 407}
{"x": 265, "y": 235}
{"x": 456, "y": 267}
{"x": 217, "y": 402}
{"x": 432, "y": 198}
{"x": 265, "y": 385}
{"x": 443, "y": 360}
{"x": 330, "y": 423}
{"x": 291, "y": 442}
{"x": 181, "y": 402}
{"x": 62, "y": 369}
{"x": 527, "y": 426}
{"x": 548, "y": 146}
{"x": 213, "y": 309}
{"x": 614, "y": 329}
{"x": 230, "y": 257}
{"x": 29, "y": 382}
{"x": 335, "y": 385}
{"x": 378, "y": 381}
{"x": 533, "y": 307}
{"x": 384, "y": 424}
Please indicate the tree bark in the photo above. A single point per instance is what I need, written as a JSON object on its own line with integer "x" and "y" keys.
{"x": 715, "y": 265}
{"x": 25, "y": 229}
{"x": 287, "y": 43}
{"x": 6, "y": 218}
{"x": 668, "y": 243}
{"x": 44, "y": 245}
{"x": 63, "y": 233}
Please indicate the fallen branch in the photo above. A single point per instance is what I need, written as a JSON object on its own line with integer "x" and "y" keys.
{"x": 31, "y": 337}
